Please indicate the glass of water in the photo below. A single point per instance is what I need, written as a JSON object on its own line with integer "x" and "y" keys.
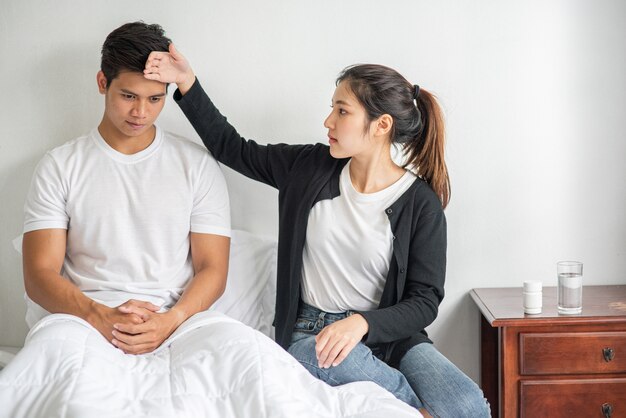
{"x": 570, "y": 287}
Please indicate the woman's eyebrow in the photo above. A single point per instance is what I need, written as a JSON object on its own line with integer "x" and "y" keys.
{"x": 342, "y": 102}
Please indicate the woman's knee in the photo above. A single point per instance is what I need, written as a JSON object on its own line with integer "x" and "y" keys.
{"x": 353, "y": 368}
{"x": 443, "y": 387}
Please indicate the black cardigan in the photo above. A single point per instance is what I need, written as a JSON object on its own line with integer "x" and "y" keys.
{"x": 306, "y": 174}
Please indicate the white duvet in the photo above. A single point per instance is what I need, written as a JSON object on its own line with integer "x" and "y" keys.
{"x": 212, "y": 366}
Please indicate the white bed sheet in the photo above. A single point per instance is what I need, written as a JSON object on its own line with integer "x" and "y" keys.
{"x": 212, "y": 366}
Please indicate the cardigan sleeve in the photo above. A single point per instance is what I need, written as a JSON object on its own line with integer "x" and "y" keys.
{"x": 269, "y": 164}
{"x": 424, "y": 277}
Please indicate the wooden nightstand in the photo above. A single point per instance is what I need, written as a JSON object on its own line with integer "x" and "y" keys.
{"x": 551, "y": 365}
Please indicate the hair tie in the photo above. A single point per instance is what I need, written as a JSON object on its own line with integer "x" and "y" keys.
{"x": 416, "y": 91}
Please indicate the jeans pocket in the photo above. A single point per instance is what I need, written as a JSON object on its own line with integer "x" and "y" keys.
{"x": 304, "y": 325}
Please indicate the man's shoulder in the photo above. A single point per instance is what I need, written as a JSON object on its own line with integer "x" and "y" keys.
{"x": 190, "y": 153}
{"x": 183, "y": 144}
{"x": 72, "y": 147}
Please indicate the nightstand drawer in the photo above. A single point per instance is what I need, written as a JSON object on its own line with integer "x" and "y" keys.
{"x": 572, "y": 353}
{"x": 572, "y": 398}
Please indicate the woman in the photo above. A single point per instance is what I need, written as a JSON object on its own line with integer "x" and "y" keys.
{"x": 362, "y": 240}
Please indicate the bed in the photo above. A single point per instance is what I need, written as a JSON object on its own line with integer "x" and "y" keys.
{"x": 219, "y": 363}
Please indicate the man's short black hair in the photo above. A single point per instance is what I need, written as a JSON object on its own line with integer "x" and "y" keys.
{"x": 127, "y": 48}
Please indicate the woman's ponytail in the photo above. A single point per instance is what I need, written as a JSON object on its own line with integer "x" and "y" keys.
{"x": 425, "y": 151}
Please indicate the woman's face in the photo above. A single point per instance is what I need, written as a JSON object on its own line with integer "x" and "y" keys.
{"x": 347, "y": 124}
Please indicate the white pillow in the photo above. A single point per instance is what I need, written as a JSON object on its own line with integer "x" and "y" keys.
{"x": 250, "y": 292}
{"x": 17, "y": 244}
{"x": 251, "y": 286}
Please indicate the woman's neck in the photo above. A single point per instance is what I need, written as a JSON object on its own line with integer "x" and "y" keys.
{"x": 370, "y": 174}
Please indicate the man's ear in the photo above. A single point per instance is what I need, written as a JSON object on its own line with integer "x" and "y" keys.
{"x": 383, "y": 125}
{"x": 102, "y": 82}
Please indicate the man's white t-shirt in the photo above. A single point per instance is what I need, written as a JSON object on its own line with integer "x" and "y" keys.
{"x": 348, "y": 247}
{"x": 128, "y": 217}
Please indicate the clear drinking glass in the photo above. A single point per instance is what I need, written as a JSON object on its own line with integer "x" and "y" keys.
{"x": 570, "y": 287}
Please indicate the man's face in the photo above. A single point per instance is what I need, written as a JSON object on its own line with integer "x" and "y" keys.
{"x": 132, "y": 104}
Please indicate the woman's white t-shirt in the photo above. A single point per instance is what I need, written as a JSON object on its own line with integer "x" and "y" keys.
{"x": 348, "y": 247}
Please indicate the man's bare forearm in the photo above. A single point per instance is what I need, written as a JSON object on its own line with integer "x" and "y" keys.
{"x": 43, "y": 255}
{"x": 203, "y": 290}
{"x": 56, "y": 294}
{"x": 209, "y": 254}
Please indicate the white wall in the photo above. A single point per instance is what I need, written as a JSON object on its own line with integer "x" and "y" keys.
{"x": 535, "y": 95}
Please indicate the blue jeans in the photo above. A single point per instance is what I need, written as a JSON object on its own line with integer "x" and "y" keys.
{"x": 425, "y": 379}
{"x": 444, "y": 390}
{"x": 360, "y": 365}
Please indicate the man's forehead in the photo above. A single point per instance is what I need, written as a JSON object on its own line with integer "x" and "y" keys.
{"x": 134, "y": 82}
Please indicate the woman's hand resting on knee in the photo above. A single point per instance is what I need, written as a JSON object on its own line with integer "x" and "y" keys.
{"x": 335, "y": 341}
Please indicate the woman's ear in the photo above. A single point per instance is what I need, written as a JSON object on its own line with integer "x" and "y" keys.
{"x": 102, "y": 82}
{"x": 383, "y": 125}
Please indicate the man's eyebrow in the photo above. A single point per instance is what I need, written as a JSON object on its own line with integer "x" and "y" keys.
{"x": 135, "y": 94}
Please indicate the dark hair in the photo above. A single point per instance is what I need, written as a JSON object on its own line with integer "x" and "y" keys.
{"x": 418, "y": 123}
{"x": 127, "y": 48}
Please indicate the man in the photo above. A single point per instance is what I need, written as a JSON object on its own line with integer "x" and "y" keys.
{"x": 127, "y": 227}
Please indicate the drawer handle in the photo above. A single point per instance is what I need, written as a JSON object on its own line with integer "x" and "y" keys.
{"x": 607, "y": 410}
{"x": 608, "y": 354}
